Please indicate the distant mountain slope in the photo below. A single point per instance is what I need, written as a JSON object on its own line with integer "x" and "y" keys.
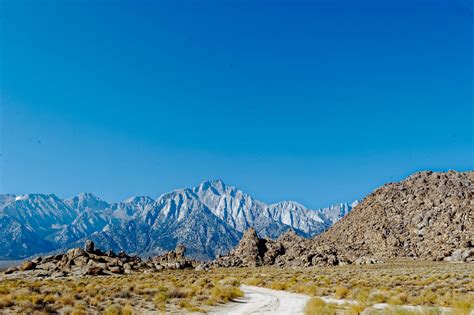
{"x": 209, "y": 219}
{"x": 241, "y": 211}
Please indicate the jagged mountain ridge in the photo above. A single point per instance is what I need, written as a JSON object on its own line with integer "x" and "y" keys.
{"x": 209, "y": 219}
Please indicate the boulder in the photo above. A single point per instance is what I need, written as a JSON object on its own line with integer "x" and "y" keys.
{"x": 58, "y": 257}
{"x": 113, "y": 262}
{"x": 116, "y": 270}
{"x": 50, "y": 266}
{"x": 37, "y": 260}
{"x": 89, "y": 246}
{"x": 101, "y": 265}
{"x": 43, "y": 274}
{"x": 180, "y": 250}
{"x": 11, "y": 270}
{"x": 58, "y": 274}
{"x": 81, "y": 261}
{"x": 94, "y": 271}
{"x": 461, "y": 255}
{"x": 127, "y": 268}
{"x": 75, "y": 252}
{"x": 27, "y": 265}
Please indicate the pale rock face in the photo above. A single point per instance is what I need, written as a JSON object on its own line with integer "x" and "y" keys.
{"x": 6, "y": 200}
{"x": 208, "y": 219}
{"x": 40, "y": 212}
{"x": 241, "y": 212}
{"x": 91, "y": 216}
{"x": 131, "y": 208}
{"x": 298, "y": 217}
{"x": 87, "y": 202}
{"x": 232, "y": 206}
{"x": 336, "y": 212}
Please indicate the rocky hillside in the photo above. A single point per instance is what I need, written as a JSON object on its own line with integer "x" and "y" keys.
{"x": 426, "y": 216}
{"x": 429, "y": 215}
{"x": 208, "y": 219}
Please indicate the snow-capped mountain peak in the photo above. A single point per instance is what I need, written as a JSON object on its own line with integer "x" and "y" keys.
{"x": 139, "y": 200}
{"x": 87, "y": 202}
{"x": 208, "y": 218}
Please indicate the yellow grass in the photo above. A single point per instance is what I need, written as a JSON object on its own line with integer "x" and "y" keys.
{"x": 397, "y": 283}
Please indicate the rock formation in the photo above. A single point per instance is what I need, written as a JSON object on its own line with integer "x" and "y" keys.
{"x": 288, "y": 250}
{"x": 429, "y": 215}
{"x": 426, "y": 216}
{"x": 174, "y": 259}
{"x": 250, "y": 252}
{"x": 93, "y": 262}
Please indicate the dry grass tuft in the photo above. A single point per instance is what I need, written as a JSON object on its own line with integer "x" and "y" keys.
{"x": 316, "y": 306}
{"x": 397, "y": 283}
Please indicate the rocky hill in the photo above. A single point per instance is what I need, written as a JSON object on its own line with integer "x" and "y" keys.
{"x": 426, "y": 216}
{"x": 429, "y": 215}
{"x": 208, "y": 219}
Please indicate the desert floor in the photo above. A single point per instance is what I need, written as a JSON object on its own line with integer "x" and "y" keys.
{"x": 436, "y": 286}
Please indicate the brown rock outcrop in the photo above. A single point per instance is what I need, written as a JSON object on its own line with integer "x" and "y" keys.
{"x": 93, "y": 262}
{"x": 27, "y": 265}
{"x": 289, "y": 250}
{"x": 174, "y": 259}
{"x": 426, "y": 216}
{"x": 89, "y": 246}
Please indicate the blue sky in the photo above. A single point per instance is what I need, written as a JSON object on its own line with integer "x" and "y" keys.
{"x": 314, "y": 101}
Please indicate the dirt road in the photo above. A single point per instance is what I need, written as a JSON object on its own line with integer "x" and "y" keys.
{"x": 264, "y": 301}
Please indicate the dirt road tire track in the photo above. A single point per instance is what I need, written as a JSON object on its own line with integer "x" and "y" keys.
{"x": 258, "y": 300}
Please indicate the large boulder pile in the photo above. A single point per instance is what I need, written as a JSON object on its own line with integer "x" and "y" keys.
{"x": 90, "y": 261}
{"x": 251, "y": 252}
{"x": 289, "y": 250}
{"x": 429, "y": 215}
{"x": 174, "y": 259}
{"x": 81, "y": 262}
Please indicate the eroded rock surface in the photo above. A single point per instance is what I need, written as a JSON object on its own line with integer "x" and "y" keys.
{"x": 91, "y": 261}
{"x": 174, "y": 259}
{"x": 426, "y": 216}
{"x": 429, "y": 215}
{"x": 289, "y": 250}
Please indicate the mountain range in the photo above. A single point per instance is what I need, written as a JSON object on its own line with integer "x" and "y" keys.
{"x": 208, "y": 219}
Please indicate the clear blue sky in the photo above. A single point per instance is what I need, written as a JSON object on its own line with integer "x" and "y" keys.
{"x": 314, "y": 101}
